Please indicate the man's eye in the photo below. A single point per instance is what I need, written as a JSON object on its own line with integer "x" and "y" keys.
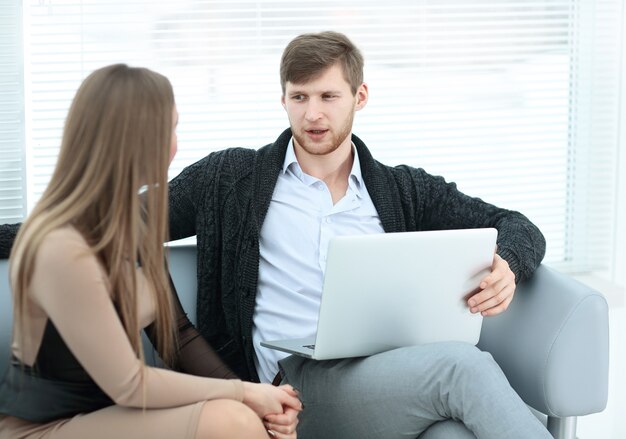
{"x": 298, "y": 97}
{"x": 329, "y": 97}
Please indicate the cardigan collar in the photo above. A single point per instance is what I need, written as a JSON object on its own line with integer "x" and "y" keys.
{"x": 376, "y": 176}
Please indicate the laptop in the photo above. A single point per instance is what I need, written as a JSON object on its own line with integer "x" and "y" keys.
{"x": 391, "y": 290}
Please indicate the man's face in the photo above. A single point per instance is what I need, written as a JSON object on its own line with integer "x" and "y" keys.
{"x": 321, "y": 111}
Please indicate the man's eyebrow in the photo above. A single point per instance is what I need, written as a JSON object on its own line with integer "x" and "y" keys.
{"x": 300, "y": 92}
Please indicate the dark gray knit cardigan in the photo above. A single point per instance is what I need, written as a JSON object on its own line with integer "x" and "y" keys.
{"x": 223, "y": 199}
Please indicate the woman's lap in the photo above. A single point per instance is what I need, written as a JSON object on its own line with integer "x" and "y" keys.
{"x": 113, "y": 422}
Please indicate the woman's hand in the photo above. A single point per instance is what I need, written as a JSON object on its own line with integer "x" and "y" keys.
{"x": 266, "y": 399}
{"x": 283, "y": 426}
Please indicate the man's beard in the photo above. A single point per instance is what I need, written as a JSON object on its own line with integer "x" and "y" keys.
{"x": 326, "y": 147}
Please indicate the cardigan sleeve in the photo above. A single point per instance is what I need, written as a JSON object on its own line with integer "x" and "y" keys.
{"x": 186, "y": 194}
{"x": 8, "y": 232}
{"x": 443, "y": 206}
{"x": 197, "y": 194}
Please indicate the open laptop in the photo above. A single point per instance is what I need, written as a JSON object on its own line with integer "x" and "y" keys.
{"x": 391, "y": 290}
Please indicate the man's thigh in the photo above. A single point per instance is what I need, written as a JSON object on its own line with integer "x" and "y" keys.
{"x": 395, "y": 394}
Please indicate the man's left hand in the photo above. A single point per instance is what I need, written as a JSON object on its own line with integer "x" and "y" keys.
{"x": 496, "y": 290}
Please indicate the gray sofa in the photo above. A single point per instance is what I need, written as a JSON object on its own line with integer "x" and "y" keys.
{"x": 552, "y": 343}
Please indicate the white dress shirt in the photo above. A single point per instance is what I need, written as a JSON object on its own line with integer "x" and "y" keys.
{"x": 298, "y": 226}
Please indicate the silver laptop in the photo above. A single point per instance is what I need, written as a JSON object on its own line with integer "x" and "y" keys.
{"x": 391, "y": 290}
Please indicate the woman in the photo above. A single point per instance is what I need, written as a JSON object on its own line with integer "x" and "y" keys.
{"x": 87, "y": 274}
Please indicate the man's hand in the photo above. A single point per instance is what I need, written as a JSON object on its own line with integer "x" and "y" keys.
{"x": 496, "y": 290}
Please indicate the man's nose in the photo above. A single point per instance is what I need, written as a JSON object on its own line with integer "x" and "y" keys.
{"x": 313, "y": 111}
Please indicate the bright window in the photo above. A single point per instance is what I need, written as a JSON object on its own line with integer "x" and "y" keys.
{"x": 516, "y": 101}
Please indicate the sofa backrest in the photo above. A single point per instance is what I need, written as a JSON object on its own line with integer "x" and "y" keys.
{"x": 6, "y": 316}
{"x": 183, "y": 268}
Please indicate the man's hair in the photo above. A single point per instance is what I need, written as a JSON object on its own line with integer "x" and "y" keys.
{"x": 307, "y": 56}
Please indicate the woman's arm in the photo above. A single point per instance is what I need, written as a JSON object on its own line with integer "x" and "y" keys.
{"x": 194, "y": 354}
{"x": 70, "y": 286}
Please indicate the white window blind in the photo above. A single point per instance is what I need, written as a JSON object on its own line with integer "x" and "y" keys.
{"x": 12, "y": 172}
{"x": 516, "y": 101}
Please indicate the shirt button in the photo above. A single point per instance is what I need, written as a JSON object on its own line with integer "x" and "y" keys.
{"x": 327, "y": 220}
{"x": 320, "y": 187}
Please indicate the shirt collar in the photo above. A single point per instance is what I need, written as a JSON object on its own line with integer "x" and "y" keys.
{"x": 290, "y": 158}
{"x": 356, "y": 177}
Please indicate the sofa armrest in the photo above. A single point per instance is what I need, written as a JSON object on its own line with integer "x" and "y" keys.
{"x": 553, "y": 344}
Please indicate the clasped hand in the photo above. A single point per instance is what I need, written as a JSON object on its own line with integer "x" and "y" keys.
{"x": 278, "y": 407}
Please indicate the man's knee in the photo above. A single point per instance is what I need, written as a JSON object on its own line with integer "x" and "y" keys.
{"x": 466, "y": 354}
{"x": 448, "y": 429}
{"x": 447, "y": 359}
{"x": 467, "y": 360}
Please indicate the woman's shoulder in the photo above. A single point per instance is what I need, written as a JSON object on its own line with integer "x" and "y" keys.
{"x": 55, "y": 262}
{"x": 66, "y": 236}
{"x": 62, "y": 245}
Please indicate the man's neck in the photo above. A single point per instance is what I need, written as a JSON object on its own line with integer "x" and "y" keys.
{"x": 327, "y": 167}
{"x": 333, "y": 168}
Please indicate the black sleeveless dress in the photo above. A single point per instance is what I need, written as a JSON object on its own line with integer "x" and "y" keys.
{"x": 55, "y": 387}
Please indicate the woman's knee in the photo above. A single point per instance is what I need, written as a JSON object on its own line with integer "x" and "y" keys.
{"x": 222, "y": 419}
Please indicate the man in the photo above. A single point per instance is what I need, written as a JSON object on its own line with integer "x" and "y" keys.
{"x": 263, "y": 219}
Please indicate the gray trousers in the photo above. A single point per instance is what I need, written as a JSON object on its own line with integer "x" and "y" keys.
{"x": 401, "y": 393}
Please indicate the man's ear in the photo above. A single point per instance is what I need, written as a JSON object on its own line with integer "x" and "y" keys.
{"x": 282, "y": 101}
{"x": 362, "y": 95}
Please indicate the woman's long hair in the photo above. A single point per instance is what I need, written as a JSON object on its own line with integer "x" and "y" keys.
{"x": 116, "y": 141}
